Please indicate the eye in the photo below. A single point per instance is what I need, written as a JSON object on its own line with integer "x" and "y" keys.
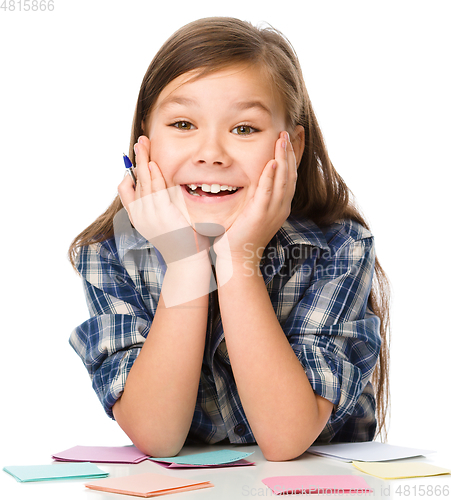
{"x": 244, "y": 130}
{"x": 183, "y": 125}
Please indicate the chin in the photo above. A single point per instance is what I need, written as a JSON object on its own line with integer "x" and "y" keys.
{"x": 211, "y": 226}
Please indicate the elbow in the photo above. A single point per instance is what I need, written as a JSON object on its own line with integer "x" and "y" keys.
{"x": 283, "y": 446}
{"x": 282, "y": 454}
{"x": 158, "y": 449}
{"x": 146, "y": 437}
{"x": 287, "y": 445}
{"x": 155, "y": 443}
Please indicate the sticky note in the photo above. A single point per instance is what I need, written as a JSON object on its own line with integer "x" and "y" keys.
{"x": 147, "y": 485}
{"x": 400, "y": 470}
{"x": 207, "y": 459}
{"x": 168, "y": 465}
{"x": 27, "y": 473}
{"x": 321, "y": 485}
{"x": 370, "y": 451}
{"x": 102, "y": 454}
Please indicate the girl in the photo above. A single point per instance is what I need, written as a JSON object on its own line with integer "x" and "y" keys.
{"x": 285, "y": 352}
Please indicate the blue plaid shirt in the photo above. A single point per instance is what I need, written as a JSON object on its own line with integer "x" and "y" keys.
{"x": 318, "y": 281}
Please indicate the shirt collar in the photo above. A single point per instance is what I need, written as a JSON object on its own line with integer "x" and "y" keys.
{"x": 127, "y": 237}
{"x": 301, "y": 232}
{"x": 293, "y": 232}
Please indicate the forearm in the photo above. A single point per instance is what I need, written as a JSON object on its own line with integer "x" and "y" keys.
{"x": 157, "y": 405}
{"x": 283, "y": 411}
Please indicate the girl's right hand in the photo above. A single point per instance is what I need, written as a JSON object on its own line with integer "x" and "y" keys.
{"x": 156, "y": 210}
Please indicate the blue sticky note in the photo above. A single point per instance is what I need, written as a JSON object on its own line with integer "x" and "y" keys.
{"x": 26, "y": 473}
{"x": 208, "y": 458}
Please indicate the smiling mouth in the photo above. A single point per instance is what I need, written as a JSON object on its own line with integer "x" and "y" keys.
{"x": 210, "y": 190}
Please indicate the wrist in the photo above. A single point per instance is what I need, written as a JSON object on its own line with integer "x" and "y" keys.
{"x": 187, "y": 279}
{"x": 236, "y": 268}
{"x": 198, "y": 264}
{"x": 180, "y": 245}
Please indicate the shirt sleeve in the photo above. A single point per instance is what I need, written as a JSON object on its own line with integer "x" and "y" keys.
{"x": 334, "y": 333}
{"x": 109, "y": 342}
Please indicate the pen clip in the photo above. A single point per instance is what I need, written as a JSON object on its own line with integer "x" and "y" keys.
{"x": 130, "y": 168}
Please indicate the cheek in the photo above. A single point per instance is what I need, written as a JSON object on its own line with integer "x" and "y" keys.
{"x": 164, "y": 155}
{"x": 257, "y": 159}
{"x": 157, "y": 146}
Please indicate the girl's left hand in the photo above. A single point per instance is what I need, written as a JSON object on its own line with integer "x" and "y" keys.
{"x": 265, "y": 212}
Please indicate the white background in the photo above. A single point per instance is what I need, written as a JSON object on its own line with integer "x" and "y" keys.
{"x": 378, "y": 77}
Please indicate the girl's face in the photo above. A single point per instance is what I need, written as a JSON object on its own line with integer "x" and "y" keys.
{"x": 213, "y": 136}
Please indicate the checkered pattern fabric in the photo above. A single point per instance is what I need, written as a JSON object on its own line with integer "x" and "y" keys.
{"x": 318, "y": 281}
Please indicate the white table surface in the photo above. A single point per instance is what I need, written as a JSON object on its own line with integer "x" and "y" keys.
{"x": 236, "y": 482}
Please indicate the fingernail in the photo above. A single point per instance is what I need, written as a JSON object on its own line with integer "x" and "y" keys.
{"x": 139, "y": 138}
{"x": 284, "y": 145}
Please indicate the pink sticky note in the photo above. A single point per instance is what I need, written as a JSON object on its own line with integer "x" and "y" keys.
{"x": 147, "y": 485}
{"x": 172, "y": 465}
{"x": 102, "y": 454}
{"x": 322, "y": 485}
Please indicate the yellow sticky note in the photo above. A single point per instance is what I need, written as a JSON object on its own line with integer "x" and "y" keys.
{"x": 400, "y": 470}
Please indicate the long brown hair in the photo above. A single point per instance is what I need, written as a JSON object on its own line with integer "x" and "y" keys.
{"x": 211, "y": 44}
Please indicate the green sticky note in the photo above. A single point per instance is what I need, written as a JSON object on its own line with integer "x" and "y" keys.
{"x": 208, "y": 458}
{"x": 26, "y": 473}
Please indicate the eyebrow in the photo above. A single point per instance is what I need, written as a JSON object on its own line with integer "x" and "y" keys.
{"x": 243, "y": 105}
{"x": 240, "y": 106}
{"x": 182, "y": 101}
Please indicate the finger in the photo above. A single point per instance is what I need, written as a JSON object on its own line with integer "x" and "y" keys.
{"x": 145, "y": 143}
{"x": 281, "y": 155}
{"x": 280, "y": 176}
{"x": 159, "y": 189}
{"x": 126, "y": 191}
{"x": 158, "y": 181}
{"x": 265, "y": 187}
{"x": 292, "y": 166}
{"x": 143, "y": 184}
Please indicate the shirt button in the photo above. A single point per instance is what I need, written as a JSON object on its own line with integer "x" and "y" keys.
{"x": 240, "y": 430}
{"x": 120, "y": 280}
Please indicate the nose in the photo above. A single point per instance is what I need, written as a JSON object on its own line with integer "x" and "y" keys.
{"x": 212, "y": 151}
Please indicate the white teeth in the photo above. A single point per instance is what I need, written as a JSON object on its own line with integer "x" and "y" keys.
{"x": 212, "y": 188}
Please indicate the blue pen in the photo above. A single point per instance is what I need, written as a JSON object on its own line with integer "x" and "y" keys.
{"x": 130, "y": 168}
